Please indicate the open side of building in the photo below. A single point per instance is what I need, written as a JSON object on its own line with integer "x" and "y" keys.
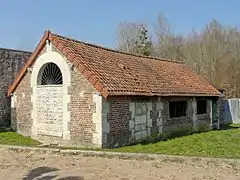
{"x": 78, "y": 94}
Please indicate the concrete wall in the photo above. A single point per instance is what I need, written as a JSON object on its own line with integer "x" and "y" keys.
{"x": 131, "y": 120}
{"x": 10, "y": 63}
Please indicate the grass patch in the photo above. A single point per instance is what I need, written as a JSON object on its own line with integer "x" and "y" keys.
{"x": 219, "y": 143}
{"x": 9, "y": 137}
{"x": 223, "y": 143}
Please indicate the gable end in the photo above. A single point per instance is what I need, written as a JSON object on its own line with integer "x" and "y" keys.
{"x": 61, "y": 47}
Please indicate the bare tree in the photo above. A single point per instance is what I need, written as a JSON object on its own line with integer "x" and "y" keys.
{"x": 168, "y": 44}
{"x": 134, "y": 38}
{"x": 213, "y": 52}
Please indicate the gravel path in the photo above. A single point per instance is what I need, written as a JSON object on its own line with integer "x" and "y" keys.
{"x": 47, "y": 166}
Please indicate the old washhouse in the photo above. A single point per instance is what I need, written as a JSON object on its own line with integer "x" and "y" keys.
{"x": 75, "y": 93}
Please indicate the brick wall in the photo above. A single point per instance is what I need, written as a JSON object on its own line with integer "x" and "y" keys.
{"x": 81, "y": 109}
{"x": 10, "y": 63}
{"x": 118, "y": 119}
{"x": 21, "y": 112}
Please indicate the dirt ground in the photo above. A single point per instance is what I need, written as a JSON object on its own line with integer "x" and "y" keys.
{"x": 47, "y": 166}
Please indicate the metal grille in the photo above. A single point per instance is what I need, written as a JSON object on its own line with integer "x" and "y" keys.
{"x": 51, "y": 75}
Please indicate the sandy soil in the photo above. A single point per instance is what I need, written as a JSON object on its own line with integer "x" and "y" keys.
{"x": 47, "y": 166}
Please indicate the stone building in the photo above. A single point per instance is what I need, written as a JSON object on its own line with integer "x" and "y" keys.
{"x": 10, "y": 63}
{"x": 74, "y": 93}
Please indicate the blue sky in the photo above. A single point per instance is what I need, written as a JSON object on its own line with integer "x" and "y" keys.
{"x": 23, "y": 22}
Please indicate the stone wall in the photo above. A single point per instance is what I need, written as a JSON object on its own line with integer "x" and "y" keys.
{"x": 203, "y": 119}
{"x": 176, "y": 123}
{"x": 134, "y": 119}
{"x": 10, "y": 63}
{"x": 49, "y": 111}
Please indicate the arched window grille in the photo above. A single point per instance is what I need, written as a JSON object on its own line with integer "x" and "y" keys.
{"x": 50, "y": 74}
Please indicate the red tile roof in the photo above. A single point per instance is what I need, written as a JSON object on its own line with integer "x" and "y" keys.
{"x": 116, "y": 73}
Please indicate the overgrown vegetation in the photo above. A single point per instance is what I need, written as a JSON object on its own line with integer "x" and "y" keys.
{"x": 9, "y": 137}
{"x": 213, "y": 52}
{"x": 219, "y": 143}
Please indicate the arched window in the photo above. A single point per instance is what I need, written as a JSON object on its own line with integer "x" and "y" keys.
{"x": 50, "y": 74}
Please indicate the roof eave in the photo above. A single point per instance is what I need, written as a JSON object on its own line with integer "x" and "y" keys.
{"x": 164, "y": 94}
{"x": 68, "y": 54}
{"x": 81, "y": 67}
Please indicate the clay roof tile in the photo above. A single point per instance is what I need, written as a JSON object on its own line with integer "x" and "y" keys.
{"x": 116, "y": 73}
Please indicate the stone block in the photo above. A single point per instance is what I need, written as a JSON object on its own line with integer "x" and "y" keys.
{"x": 141, "y": 135}
{"x": 131, "y": 124}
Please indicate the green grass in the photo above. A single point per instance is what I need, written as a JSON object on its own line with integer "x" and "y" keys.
{"x": 13, "y": 138}
{"x": 219, "y": 143}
